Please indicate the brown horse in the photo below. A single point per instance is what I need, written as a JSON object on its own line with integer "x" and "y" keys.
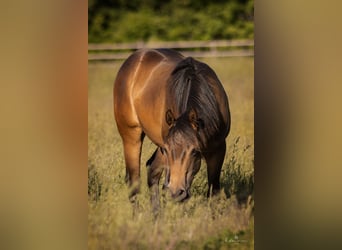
{"x": 180, "y": 104}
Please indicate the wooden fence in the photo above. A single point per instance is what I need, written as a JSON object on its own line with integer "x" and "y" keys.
{"x": 219, "y": 48}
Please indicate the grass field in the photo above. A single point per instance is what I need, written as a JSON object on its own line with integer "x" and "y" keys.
{"x": 222, "y": 222}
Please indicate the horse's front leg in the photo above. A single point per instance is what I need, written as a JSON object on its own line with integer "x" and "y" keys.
{"x": 155, "y": 167}
{"x": 214, "y": 161}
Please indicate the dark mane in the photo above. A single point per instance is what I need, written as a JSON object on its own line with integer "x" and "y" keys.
{"x": 189, "y": 89}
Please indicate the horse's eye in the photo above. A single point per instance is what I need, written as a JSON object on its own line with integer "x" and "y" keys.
{"x": 195, "y": 153}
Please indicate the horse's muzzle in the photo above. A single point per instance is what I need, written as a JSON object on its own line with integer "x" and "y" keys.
{"x": 180, "y": 195}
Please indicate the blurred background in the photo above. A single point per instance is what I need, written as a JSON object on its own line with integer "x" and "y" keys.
{"x": 44, "y": 126}
{"x": 204, "y": 28}
{"x": 169, "y": 20}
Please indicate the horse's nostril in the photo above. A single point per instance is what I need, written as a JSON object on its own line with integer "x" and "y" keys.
{"x": 181, "y": 192}
{"x": 180, "y": 195}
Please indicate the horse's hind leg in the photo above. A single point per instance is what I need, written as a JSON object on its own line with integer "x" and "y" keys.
{"x": 132, "y": 141}
{"x": 214, "y": 164}
{"x": 154, "y": 171}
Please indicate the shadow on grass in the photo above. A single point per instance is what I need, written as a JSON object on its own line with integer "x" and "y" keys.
{"x": 235, "y": 179}
{"x": 94, "y": 183}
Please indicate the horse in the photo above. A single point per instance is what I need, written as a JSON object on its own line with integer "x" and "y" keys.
{"x": 180, "y": 104}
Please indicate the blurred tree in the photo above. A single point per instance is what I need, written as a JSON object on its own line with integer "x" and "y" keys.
{"x": 123, "y": 21}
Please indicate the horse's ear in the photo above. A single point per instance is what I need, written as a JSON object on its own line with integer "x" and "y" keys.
{"x": 195, "y": 122}
{"x": 169, "y": 118}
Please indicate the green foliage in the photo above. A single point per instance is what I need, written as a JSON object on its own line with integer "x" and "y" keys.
{"x": 125, "y": 21}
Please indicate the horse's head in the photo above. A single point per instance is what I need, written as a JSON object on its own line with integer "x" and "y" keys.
{"x": 182, "y": 151}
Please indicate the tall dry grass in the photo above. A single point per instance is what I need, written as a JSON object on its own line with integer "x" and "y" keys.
{"x": 222, "y": 222}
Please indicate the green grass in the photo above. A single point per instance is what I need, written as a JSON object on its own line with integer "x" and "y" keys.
{"x": 222, "y": 222}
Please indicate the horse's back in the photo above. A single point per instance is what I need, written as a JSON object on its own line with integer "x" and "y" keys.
{"x": 141, "y": 64}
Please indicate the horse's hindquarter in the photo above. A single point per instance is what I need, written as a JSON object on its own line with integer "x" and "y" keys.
{"x": 124, "y": 112}
{"x": 149, "y": 101}
{"x": 145, "y": 92}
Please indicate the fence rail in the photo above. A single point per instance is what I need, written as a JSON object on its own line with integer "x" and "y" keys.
{"x": 218, "y": 48}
